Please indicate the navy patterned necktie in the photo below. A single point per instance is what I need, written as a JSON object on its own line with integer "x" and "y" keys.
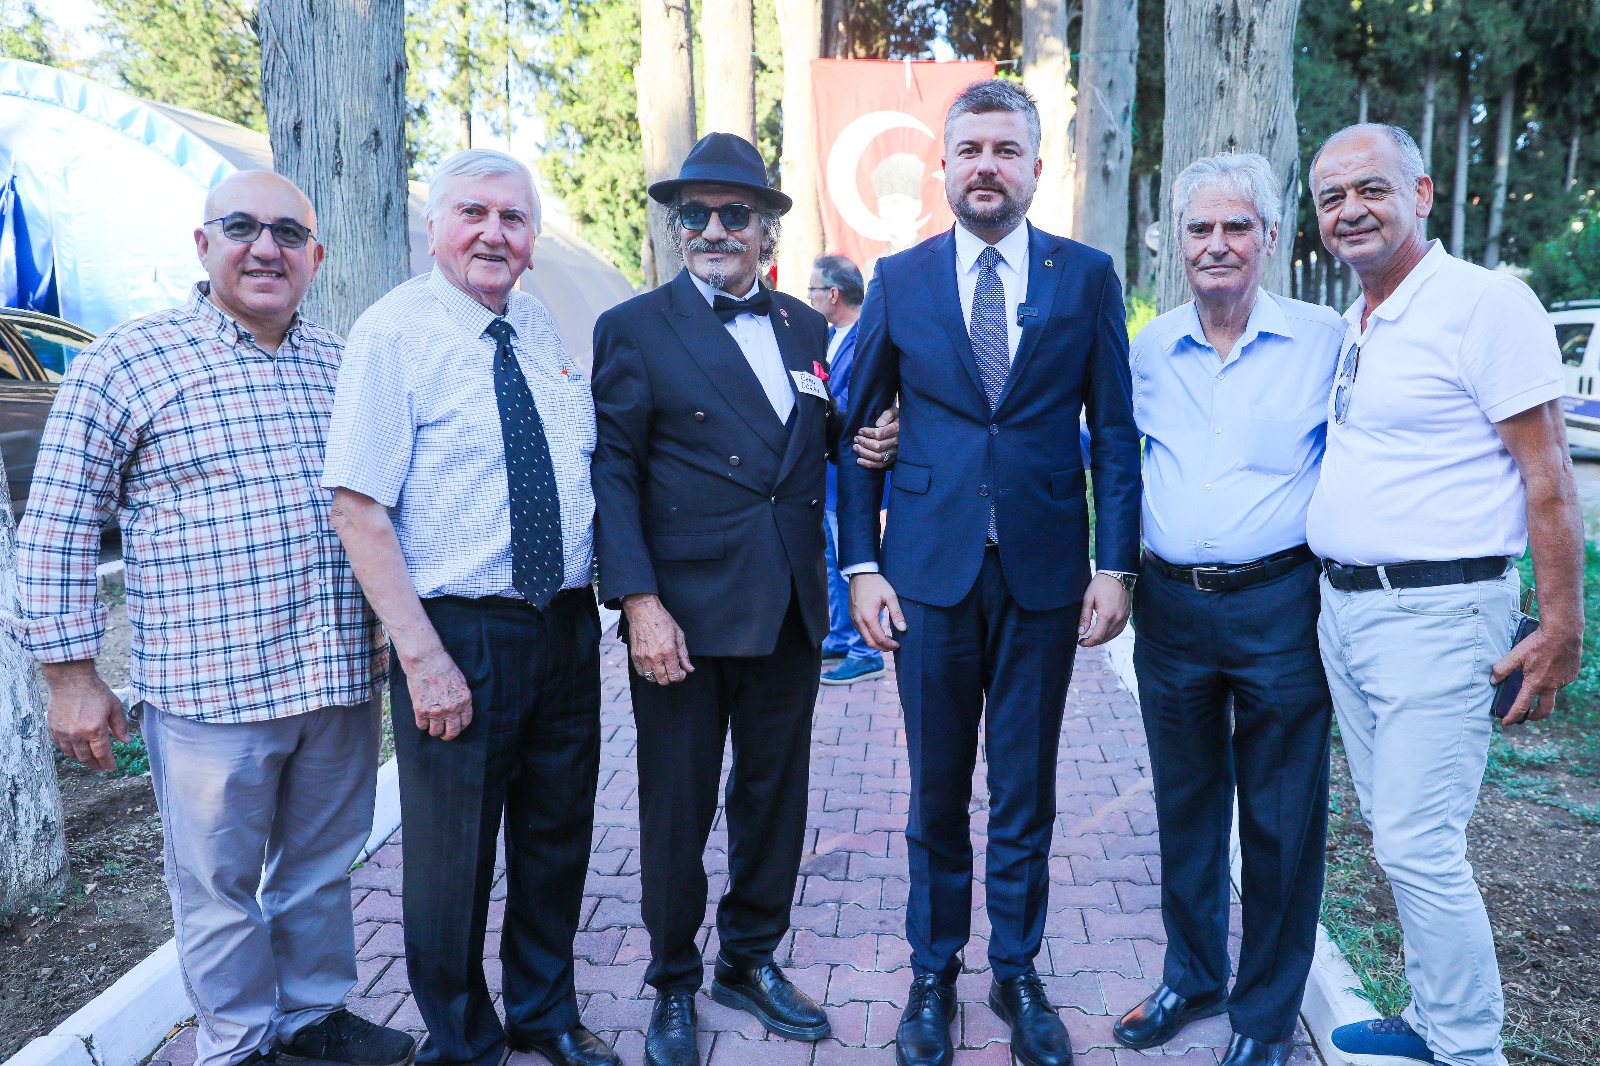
{"x": 537, "y": 560}
{"x": 991, "y": 339}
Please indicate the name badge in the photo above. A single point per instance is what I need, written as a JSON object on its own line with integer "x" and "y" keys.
{"x": 809, "y": 384}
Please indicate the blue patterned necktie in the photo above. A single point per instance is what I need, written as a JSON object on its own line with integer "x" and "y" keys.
{"x": 537, "y": 560}
{"x": 991, "y": 339}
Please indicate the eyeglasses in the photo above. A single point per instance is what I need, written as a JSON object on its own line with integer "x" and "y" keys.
{"x": 1344, "y": 383}
{"x": 735, "y": 217}
{"x": 245, "y": 230}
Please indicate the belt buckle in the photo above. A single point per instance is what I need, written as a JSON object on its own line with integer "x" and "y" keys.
{"x": 1194, "y": 576}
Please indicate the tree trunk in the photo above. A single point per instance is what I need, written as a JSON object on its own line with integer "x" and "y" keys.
{"x": 728, "y": 35}
{"x": 464, "y": 141}
{"x": 664, "y": 81}
{"x": 1502, "y": 172}
{"x": 1106, "y": 73}
{"x": 1144, "y": 215}
{"x": 1572, "y": 161}
{"x": 33, "y": 847}
{"x": 333, "y": 76}
{"x": 1458, "y": 191}
{"x": 836, "y": 29}
{"x": 1046, "y": 68}
{"x": 1430, "y": 108}
{"x": 800, "y": 22}
{"x": 1230, "y": 73}
{"x": 1361, "y": 100}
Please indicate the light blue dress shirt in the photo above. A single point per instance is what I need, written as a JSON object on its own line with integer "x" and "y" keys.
{"x": 1232, "y": 448}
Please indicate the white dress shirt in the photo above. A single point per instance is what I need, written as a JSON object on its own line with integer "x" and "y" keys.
{"x": 1417, "y": 470}
{"x": 416, "y": 426}
{"x": 1012, "y": 268}
{"x": 755, "y": 338}
{"x": 1231, "y": 449}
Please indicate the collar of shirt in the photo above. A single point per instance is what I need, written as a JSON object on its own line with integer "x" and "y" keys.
{"x": 227, "y": 329}
{"x": 472, "y": 315}
{"x": 1013, "y": 249}
{"x": 1265, "y": 317}
{"x": 1401, "y": 298}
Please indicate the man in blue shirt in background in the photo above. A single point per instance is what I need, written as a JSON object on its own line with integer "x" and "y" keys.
{"x": 1230, "y": 392}
{"x": 836, "y": 290}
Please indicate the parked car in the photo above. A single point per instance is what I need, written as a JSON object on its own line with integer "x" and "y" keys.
{"x": 34, "y": 352}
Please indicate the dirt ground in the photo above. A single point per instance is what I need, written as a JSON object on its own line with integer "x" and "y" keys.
{"x": 114, "y": 910}
{"x": 1539, "y": 869}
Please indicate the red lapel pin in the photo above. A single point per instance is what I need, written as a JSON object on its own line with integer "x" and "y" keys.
{"x": 785, "y": 315}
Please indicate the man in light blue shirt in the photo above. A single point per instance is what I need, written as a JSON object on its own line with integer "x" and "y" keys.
{"x": 1230, "y": 394}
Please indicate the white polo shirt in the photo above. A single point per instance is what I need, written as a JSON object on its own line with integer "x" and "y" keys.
{"x": 1417, "y": 471}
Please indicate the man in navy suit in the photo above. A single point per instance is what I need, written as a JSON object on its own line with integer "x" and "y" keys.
{"x": 995, "y": 336}
{"x": 836, "y": 291}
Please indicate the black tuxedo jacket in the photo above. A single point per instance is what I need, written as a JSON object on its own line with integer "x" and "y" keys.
{"x": 701, "y": 495}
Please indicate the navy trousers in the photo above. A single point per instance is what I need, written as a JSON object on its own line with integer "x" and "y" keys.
{"x": 531, "y": 754}
{"x": 984, "y": 659}
{"x": 1255, "y": 648}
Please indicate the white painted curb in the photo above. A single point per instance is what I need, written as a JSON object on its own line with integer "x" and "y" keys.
{"x": 1330, "y": 1000}
{"x": 124, "y": 1024}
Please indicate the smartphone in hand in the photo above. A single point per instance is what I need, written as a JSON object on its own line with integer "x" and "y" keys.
{"x": 1507, "y": 691}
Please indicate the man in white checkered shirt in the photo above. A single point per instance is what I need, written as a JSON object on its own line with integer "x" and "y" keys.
{"x": 459, "y": 452}
{"x": 254, "y": 658}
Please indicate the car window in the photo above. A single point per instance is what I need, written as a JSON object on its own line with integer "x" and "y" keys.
{"x": 1574, "y": 340}
{"x": 55, "y": 351}
{"x": 9, "y": 370}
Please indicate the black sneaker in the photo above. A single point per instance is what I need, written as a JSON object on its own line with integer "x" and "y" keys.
{"x": 348, "y": 1040}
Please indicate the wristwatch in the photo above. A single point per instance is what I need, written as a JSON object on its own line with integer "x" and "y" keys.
{"x": 1126, "y": 580}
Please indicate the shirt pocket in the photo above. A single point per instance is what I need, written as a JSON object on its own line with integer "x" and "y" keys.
{"x": 1272, "y": 438}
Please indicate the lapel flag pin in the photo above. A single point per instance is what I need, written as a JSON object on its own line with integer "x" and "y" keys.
{"x": 785, "y": 316}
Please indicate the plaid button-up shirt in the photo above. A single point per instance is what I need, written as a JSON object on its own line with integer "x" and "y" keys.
{"x": 209, "y": 452}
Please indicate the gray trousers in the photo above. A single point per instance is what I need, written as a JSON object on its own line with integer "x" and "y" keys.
{"x": 262, "y": 822}
{"x": 1409, "y": 674}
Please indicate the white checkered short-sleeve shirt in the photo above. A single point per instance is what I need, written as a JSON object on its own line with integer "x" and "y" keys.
{"x": 416, "y": 427}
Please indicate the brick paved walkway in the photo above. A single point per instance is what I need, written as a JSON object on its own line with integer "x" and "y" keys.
{"x": 1103, "y": 936}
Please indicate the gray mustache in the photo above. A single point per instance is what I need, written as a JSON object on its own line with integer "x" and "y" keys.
{"x": 727, "y": 246}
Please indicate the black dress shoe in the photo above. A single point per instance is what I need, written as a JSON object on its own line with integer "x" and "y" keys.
{"x": 1037, "y": 1036}
{"x": 575, "y": 1047}
{"x": 1160, "y": 1017}
{"x": 670, "y": 1038}
{"x": 1243, "y": 1051}
{"x": 923, "y": 1038}
{"x": 774, "y": 999}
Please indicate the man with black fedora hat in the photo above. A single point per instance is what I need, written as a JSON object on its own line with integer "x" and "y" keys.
{"x": 714, "y": 427}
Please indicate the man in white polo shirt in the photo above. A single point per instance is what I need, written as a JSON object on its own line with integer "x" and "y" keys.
{"x": 1446, "y": 458}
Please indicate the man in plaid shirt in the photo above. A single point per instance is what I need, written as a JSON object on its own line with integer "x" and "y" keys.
{"x": 254, "y": 656}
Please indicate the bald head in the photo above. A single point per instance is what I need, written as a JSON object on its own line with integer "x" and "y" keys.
{"x": 1390, "y": 147}
{"x": 261, "y": 194}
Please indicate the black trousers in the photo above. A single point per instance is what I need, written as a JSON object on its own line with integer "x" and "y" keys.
{"x": 1258, "y": 647}
{"x": 983, "y": 659}
{"x": 766, "y": 701}
{"x": 532, "y": 752}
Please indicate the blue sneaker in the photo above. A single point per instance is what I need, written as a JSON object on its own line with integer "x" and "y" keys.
{"x": 850, "y": 671}
{"x": 1381, "y": 1042}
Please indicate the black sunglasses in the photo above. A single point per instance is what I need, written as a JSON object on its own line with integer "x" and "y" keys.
{"x": 245, "y": 230}
{"x": 735, "y": 217}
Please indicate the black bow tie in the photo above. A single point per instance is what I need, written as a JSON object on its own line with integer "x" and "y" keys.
{"x": 727, "y": 308}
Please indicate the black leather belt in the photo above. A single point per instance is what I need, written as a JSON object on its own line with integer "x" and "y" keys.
{"x": 1230, "y": 576}
{"x": 1413, "y": 575}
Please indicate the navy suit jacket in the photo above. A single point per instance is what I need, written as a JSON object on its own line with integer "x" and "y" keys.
{"x": 701, "y": 495}
{"x": 839, "y": 382}
{"x": 956, "y": 457}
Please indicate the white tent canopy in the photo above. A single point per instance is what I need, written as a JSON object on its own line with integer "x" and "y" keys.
{"x": 100, "y": 193}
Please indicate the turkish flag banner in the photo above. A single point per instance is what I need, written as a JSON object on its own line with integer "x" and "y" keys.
{"x": 880, "y": 138}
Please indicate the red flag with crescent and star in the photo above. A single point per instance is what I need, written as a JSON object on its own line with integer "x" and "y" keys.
{"x": 880, "y": 138}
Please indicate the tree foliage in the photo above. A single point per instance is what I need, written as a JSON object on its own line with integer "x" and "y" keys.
{"x": 26, "y": 34}
{"x": 593, "y": 158}
{"x": 201, "y": 54}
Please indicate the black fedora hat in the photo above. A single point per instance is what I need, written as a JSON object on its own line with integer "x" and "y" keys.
{"x": 722, "y": 159}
